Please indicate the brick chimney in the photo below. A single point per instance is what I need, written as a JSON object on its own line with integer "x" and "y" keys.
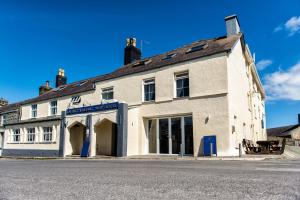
{"x": 61, "y": 79}
{"x": 44, "y": 88}
{"x": 131, "y": 52}
{"x": 232, "y": 25}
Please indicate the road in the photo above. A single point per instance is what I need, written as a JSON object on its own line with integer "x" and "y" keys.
{"x": 149, "y": 179}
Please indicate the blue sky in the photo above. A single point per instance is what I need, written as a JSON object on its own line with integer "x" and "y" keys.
{"x": 87, "y": 38}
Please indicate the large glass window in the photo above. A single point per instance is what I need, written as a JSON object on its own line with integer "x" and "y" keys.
{"x": 188, "y": 135}
{"x": 47, "y": 134}
{"x": 171, "y": 135}
{"x": 152, "y": 136}
{"x": 149, "y": 90}
{"x": 16, "y": 135}
{"x": 53, "y": 107}
{"x": 34, "y": 110}
{"x": 31, "y": 134}
{"x": 107, "y": 93}
{"x": 182, "y": 85}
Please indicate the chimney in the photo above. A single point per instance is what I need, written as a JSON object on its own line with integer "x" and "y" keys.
{"x": 232, "y": 25}
{"x": 61, "y": 79}
{"x": 131, "y": 53}
{"x": 44, "y": 88}
{"x": 3, "y": 102}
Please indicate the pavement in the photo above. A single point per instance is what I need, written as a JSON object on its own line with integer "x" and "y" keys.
{"x": 149, "y": 179}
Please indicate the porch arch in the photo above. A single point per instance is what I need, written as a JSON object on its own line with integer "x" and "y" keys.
{"x": 106, "y": 137}
{"x": 77, "y": 132}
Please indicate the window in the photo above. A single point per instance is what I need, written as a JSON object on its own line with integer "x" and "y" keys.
{"x": 4, "y": 119}
{"x": 107, "y": 93}
{"x": 47, "y": 134}
{"x": 182, "y": 84}
{"x": 169, "y": 56}
{"x": 53, "y": 107}
{"x": 31, "y": 134}
{"x": 16, "y": 135}
{"x": 149, "y": 90}
{"x": 76, "y": 100}
{"x": 196, "y": 48}
{"x": 34, "y": 110}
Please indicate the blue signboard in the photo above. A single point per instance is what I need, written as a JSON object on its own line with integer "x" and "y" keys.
{"x": 95, "y": 108}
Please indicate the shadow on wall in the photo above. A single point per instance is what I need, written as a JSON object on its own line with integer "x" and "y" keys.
{"x": 201, "y": 147}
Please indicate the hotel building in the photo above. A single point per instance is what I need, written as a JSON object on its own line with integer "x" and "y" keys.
{"x": 165, "y": 104}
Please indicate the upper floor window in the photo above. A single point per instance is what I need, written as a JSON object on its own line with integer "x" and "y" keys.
{"x": 47, "y": 135}
{"x": 149, "y": 90}
{"x": 107, "y": 93}
{"x": 16, "y": 135}
{"x": 34, "y": 110}
{"x": 182, "y": 84}
{"x": 53, "y": 107}
{"x": 31, "y": 134}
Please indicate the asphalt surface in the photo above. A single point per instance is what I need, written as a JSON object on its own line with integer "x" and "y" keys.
{"x": 140, "y": 179}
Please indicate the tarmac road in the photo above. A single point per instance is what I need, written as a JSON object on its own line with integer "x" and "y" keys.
{"x": 149, "y": 179}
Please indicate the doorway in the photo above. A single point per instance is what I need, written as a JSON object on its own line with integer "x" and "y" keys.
{"x": 106, "y": 138}
{"x": 1, "y": 142}
{"x": 77, "y": 136}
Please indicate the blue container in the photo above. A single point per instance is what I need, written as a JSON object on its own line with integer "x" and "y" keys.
{"x": 207, "y": 141}
{"x": 85, "y": 149}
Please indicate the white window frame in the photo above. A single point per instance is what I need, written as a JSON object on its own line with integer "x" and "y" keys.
{"x": 16, "y": 134}
{"x": 34, "y": 111}
{"x": 106, "y": 91}
{"x": 47, "y": 134}
{"x": 53, "y": 108}
{"x": 149, "y": 82}
{"x": 179, "y": 76}
{"x": 31, "y": 135}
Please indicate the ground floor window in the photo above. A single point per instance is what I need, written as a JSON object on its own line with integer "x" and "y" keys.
{"x": 171, "y": 135}
{"x": 31, "y": 134}
{"x": 47, "y": 134}
{"x": 16, "y": 135}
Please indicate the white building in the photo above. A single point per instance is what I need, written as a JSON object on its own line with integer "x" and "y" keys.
{"x": 164, "y": 104}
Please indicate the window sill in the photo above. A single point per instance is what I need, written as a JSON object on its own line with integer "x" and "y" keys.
{"x": 31, "y": 143}
{"x": 179, "y": 98}
{"x": 148, "y": 102}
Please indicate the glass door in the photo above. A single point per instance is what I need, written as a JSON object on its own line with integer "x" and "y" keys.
{"x": 163, "y": 135}
{"x": 176, "y": 135}
{"x": 188, "y": 135}
{"x": 171, "y": 135}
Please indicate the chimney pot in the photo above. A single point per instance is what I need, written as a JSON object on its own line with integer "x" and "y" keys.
{"x": 232, "y": 25}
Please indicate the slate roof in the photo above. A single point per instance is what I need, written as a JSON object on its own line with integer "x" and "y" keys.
{"x": 281, "y": 131}
{"x": 211, "y": 46}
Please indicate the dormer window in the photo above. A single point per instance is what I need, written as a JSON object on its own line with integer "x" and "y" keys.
{"x": 107, "y": 93}
{"x": 76, "y": 100}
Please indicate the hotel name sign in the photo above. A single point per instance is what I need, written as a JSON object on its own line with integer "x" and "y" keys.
{"x": 95, "y": 108}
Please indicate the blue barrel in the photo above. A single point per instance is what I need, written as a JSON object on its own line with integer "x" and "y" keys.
{"x": 207, "y": 141}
